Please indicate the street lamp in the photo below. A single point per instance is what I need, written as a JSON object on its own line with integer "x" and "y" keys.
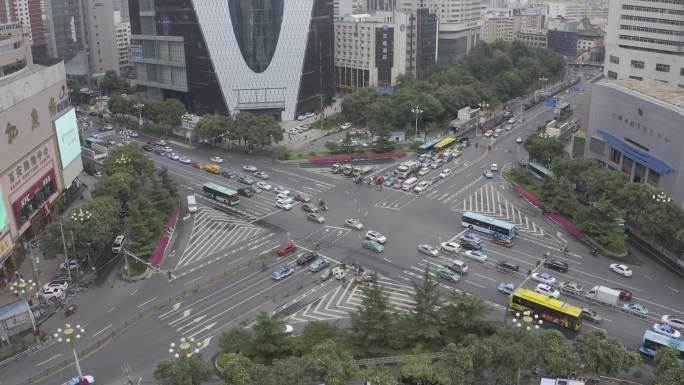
{"x": 417, "y": 111}
{"x": 483, "y": 105}
{"x": 123, "y": 160}
{"x": 661, "y": 197}
{"x": 184, "y": 349}
{"x": 81, "y": 215}
{"x": 188, "y": 119}
{"x": 69, "y": 335}
{"x": 26, "y": 290}
{"x": 528, "y": 320}
{"x": 139, "y": 106}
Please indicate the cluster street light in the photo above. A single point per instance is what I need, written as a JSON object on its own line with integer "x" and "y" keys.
{"x": 123, "y": 160}
{"x": 70, "y": 335}
{"x": 81, "y": 215}
{"x": 184, "y": 349}
{"x": 27, "y": 290}
{"x": 139, "y": 106}
{"x": 483, "y": 105}
{"x": 417, "y": 111}
{"x": 528, "y": 320}
{"x": 661, "y": 197}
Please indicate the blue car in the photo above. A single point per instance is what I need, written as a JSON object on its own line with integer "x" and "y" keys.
{"x": 636, "y": 308}
{"x": 249, "y": 168}
{"x": 506, "y": 288}
{"x": 279, "y": 189}
{"x": 318, "y": 265}
{"x": 228, "y": 173}
{"x": 472, "y": 237}
{"x": 282, "y": 272}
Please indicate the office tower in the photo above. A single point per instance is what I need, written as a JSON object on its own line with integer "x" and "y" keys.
{"x": 644, "y": 41}
{"x": 29, "y": 14}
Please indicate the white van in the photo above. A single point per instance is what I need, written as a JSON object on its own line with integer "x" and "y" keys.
{"x": 118, "y": 244}
{"x": 409, "y": 183}
{"x": 459, "y": 266}
{"x": 192, "y": 203}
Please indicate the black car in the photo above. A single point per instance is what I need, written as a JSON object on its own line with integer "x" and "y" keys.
{"x": 148, "y": 147}
{"x": 302, "y": 198}
{"x": 507, "y": 266}
{"x": 246, "y": 180}
{"x": 557, "y": 265}
{"x": 467, "y": 244}
{"x": 309, "y": 208}
{"x": 591, "y": 315}
{"x": 245, "y": 192}
{"x": 306, "y": 258}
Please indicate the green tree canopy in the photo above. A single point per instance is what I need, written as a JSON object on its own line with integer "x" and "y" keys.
{"x": 667, "y": 368}
{"x": 372, "y": 322}
{"x": 423, "y": 324}
{"x": 270, "y": 341}
{"x": 236, "y": 340}
{"x": 315, "y": 332}
{"x": 332, "y": 364}
{"x": 604, "y": 355}
{"x": 455, "y": 367}
{"x": 191, "y": 370}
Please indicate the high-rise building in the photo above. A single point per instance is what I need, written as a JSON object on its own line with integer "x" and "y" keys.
{"x": 342, "y": 8}
{"x": 41, "y": 150}
{"x": 370, "y": 49}
{"x": 227, "y": 57}
{"x": 123, "y": 42}
{"x": 644, "y": 41}
{"x": 29, "y": 14}
{"x": 381, "y": 5}
{"x": 573, "y": 10}
{"x": 497, "y": 28}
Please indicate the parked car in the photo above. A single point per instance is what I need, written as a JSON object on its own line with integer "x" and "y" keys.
{"x": 507, "y": 266}
{"x": 261, "y": 175}
{"x": 284, "y": 198}
{"x": 467, "y": 244}
{"x": 666, "y": 329}
{"x": 591, "y": 315}
{"x": 621, "y": 269}
{"x": 73, "y": 265}
{"x": 315, "y": 217}
{"x": 345, "y": 126}
{"x": 677, "y": 323}
{"x": 446, "y": 273}
{"x": 450, "y": 247}
{"x": 263, "y": 185}
{"x": 282, "y": 272}
{"x": 373, "y": 245}
{"x": 544, "y": 277}
{"x": 306, "y": 258}
{"x": 476, "y": 255}
{"x": 547, "y": 290}
{"x": 52, "y": 292}
{"x": 281, "y": 190}
{"x": 309, "y": 208}
{"x": 246, "y": 180}
{"x": 557, "y": 265}
{"x": 286, "y": 249}
{"x": 216, "y": 159}
{"x": 353, "y": 223}
{"x": 249, "y": 168}
{"x": 61, "y": 284}
{"x": 302, "y": 198}
{"x": 428, "y": 250}
{"x": 376, "y": 236}
{"x": 318, "y": 265}
{"x": 471, "y": 237}
{"x": 636, "y": 308}
{"x": 506, "y": 288}
{"x": 281, "y": 204}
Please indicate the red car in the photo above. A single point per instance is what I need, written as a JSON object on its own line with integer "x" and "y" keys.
{"x": 197, "y": 164}
{"x": 285, "y": 250}
{"x": 625, "y": 295}
{"x": 502, "y": 241}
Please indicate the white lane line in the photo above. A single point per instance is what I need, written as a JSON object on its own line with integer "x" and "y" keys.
{"x": 193, "y": 280}
{"x": 111, "y": 309}
{"x": 105, "y": 328}
{"x": 387, "y": 260}
{"x": 48, "y": 360}
{"x": 134, "y": 291}
{"x": 647, "y": 277}
{"x": 673, "y": 289}
{"x": 475, "y": 284}
{"x": 146, "y": 302}
{"x": 482, "y": 276}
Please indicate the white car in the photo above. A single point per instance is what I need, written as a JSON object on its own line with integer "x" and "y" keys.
{"x": 494, "y": 167}
{"x": 264, "y": 186}
{"x": 301, "y": 117}
{"x": 423, "y": 171}
{"x": 518, "y": 140}
{"x": 428, "y": 250}
{"x": 488, "y": 174}
{"x": 51, "y": 292}
{"x": 422, "y": 186}
{"x": 375, "y": 236}
{"x": 498, "y": 130}
{"x": 677, "y": 323}
{"x": 61, "y": 284}
{"x": 73, "y": 265}
{"x": 450, "y": 247}
{"x": 508, "y": 127}
{"x": 547, "y": 290}
{"x": 309, "y": 115}
{"x": 167, "y": 149}
{"x": 133, "y": 134}
{"x": 489, "y": 133}
{"x": 621, "y": 269}
{"x": 281, "y": 204}
{"x": 666, "y": 329}
{"x": 353, "y": 223}
{"x": 436, "y": 164}
{"x": 173, "y": 156}
{"x": 344, "y": 126}
{"x": 511, "y": 120}
{"x": 216, "y": 159}
{"x": 445, "y": 173}
{"x": 476, "y": 255}
{"x": 284, "y": 198}
{"x": 543, "y": 277}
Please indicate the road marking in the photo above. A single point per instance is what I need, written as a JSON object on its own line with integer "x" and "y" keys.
{"x": 111, "y": 310}
{"x": 146, "y": 302}
{"x": 673, "y": 289}
{"x": 482, "y": 276}
{"x": 134, "y": 291}
{"x": 192, "y": 280}
{"x": 595, "y": 327}
{"x": 473, "y": 283}
{"x": 647, "y": 277}
{"x": 48, "y": 360}
{"x": 105, "y": 328}
{"x": 387, "y": 260}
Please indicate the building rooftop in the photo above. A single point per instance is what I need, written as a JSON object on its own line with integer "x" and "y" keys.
{"x": 653, "y": 88}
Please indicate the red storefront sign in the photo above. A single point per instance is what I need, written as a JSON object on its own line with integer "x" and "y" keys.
{"x": 29, "y": 194}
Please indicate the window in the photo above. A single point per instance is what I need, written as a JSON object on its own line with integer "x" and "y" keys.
{"x": 662, "y": 67}
{"x": 681, "y": 71}
{"x": 612, "y": 75}
{"x": 638, "y": 64}
{"x": 636, "y": 78}
{"x": 653, "y": 178}
{"x": 615, "y": 156}
{"x": 614, "y": 59}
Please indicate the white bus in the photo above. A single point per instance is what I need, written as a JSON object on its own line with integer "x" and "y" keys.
{"x": 409, "y": 183}
{"x": 192, "y": 203}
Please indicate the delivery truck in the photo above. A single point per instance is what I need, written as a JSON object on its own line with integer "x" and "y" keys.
{"x": 605, "y": 294}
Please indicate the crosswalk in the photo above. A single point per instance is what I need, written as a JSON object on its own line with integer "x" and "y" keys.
{"x": 348, "y": 296}
{"x": 214, "y": 231}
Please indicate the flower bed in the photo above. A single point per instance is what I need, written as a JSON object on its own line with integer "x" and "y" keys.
{"x": 349, "y": 158}
{"x": 561, "y": 220}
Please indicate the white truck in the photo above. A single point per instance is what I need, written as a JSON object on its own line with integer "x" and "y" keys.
{"x": 407, "y": 168}
{"x": 605, "y": 295}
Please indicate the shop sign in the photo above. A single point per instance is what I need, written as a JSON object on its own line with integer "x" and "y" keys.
{"x": 6, "y": 245}
{"x": 61, "y": 104}
{"x": 28, "y": 196}
{"x": 25, "y": 168}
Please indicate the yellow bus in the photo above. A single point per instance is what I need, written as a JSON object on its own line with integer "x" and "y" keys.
{"x": 445, "y": 143}
{"x": 548, "y": 309}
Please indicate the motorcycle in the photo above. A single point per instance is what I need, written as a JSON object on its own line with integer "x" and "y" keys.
{"x": 564, "y": 250}
{"x": 594, "y": 252}
{"x": 322, "y": 206}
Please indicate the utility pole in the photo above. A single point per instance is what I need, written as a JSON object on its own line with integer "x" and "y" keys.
{"x": 66, "y": 256}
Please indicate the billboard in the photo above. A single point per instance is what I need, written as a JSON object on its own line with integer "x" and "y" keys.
{"x": 67, "y": 137}
{"x": 4, "y": 219}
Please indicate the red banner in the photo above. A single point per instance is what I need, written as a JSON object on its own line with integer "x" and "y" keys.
{"x": 30, "y": 193}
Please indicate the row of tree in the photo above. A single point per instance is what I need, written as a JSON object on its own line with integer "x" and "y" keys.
{"x": 131, "y": 196}
{"x": 167, "y": 114}
{"x": 490, "y": 73}
{"x": 598, "y": 199}
{"x": 472, "y": 347}
{"x": 246, "y": 129}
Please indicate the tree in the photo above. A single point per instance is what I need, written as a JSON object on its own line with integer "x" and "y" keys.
{"x": 171, "y": 112}
{"x": 270, "y": 341}
{"x": 463, "y": 313}
{"x": 131, "y": 159}
{"x": 331, "y": 363}
{"x": 289, "y": 371}
{"x": 315, "y": 332}
{"x": 236, "y": 340}
{"x": 559, "y": 358}
{"x": 372, "y": 322}
{"x": 112, "y": 83}
{"x": 667, "y": 369}
{"x": 543, "y": 149}
{"x": 602, "y": 354}
{"x": 455, "y": 367}
{"x": 423, "y": 323}
{"x": 144, "y": 223}
{"x": 212, "y": 126}
{"x": 183, "y": 371}
{"x": 510, "y": 357}
{"x": 380, "y": 375}
{"x": 481, "y": 352}
{"x": 119, "y": 106}
{"x": 122, "y": 186}
{"x": 333, "y": 147}
{"x": 236, "y": 369}
{"x": 418, "y": 367}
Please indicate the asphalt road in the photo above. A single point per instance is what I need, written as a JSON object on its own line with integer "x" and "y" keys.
{"x": 212, "y": 249}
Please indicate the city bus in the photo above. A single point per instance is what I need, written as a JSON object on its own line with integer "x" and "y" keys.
{"x": 428, "y": 146}
{"x": 653, "y": 341}
{"x": 547, "y": 308}
{"x": 488, "y": 225}
{"x": 538, "y": 171}
{"x": 445, "y": 143}
{"x": 220, "y": 193}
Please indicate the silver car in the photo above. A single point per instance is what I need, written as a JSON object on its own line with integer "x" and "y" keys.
{"x": 428, "y": 250}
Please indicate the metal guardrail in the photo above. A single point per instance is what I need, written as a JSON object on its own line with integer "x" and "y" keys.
{"x": 393, "y": 359}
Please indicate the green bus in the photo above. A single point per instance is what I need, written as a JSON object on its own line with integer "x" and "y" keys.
{"x": 538, "y": 171}
{"x": 220, "y": 193}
